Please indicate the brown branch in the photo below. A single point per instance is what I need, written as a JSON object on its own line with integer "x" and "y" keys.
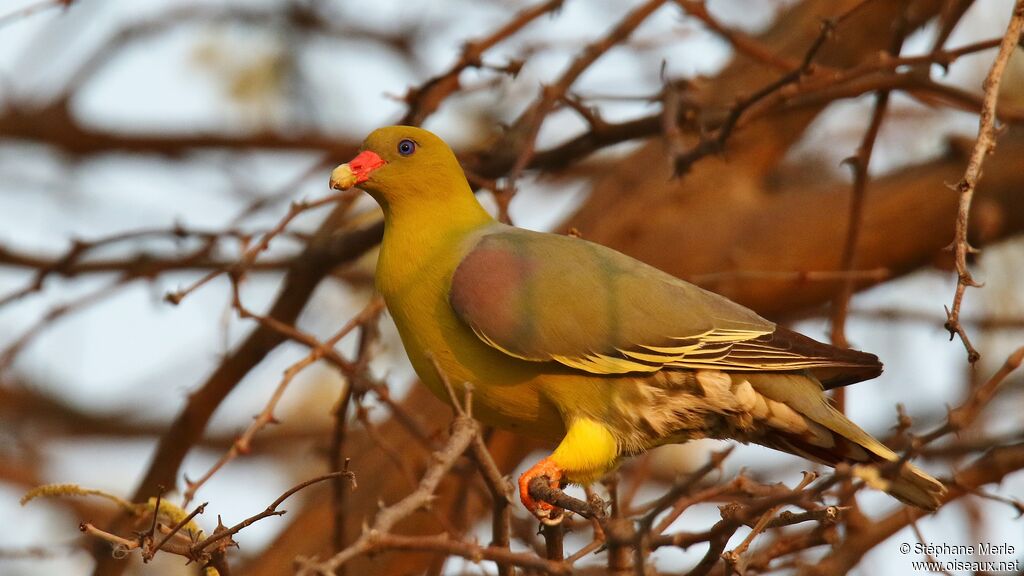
{"x": 554, "y": 542}
{"x": 790, "y": 544}
{"x": 187, "y": 547}
{"x": 540, "y": 489}
{"x": 707, "y": 146}
{"x": 983, "y": 146}
{"x": 464, "y": 429}
{"x": 309, "y": 530}
{"x": 812, "y": 91}
{"x": 326, "y": 250}
{"x": 735, "y": 559}
{"x": 469, "y": 550}
{"x": 425, "y": 99}
{"x": 741, "y": 42}
{"x": 859, "y": 163}
{"x": 792, "y": 276}
{"x": 734, "y": 515}
{"x": 144, "y": 266}
{"x": 952, "y": 13}
{"x": 383, "y": 445}
{"x": 151, "y": 551}
{"x": 198, "y": 548}
{"x": 343, "y": 199}
{"x": 962, "y": 416}
{"x": 55, "y": 126}
{"x": 526, "y": 127}
{"x": 368, "y": 335}
{"x": 140, "y": 266}
{"x": 502, "y": 494}
{"x": 984, "y": 322}
{"x": 988, "y": 469}
{"x": 243, "y": 444}
{"x": 681, "y": 488}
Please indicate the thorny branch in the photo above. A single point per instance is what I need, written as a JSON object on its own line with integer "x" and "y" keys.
{"x": 464, "y": 429}
{"x": 712, "y": 145}
{"x": 743, "y": 43}
{"x": 426, "y": 98}
{"x": 193, "y": 545}
{"x": 962, "y": 416}
{"x": 242, "y": 445}
{"x": 859, "y": 163}
{"x": 529, "y": 123}
{"x": 983, "y": 146}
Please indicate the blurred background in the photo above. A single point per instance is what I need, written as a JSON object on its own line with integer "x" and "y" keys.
{"x": 144, "y": 145}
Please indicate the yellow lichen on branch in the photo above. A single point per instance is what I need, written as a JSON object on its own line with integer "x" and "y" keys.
{"x": 61, "y": 490}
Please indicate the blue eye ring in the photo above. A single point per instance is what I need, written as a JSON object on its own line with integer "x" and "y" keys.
{"x": 406, "y": 147}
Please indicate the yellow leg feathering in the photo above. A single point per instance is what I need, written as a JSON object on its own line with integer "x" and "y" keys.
{"x": 587, "y": 451}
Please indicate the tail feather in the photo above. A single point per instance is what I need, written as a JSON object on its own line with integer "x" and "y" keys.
{"x": 917, "y": 488}
{"x": 848, "y": 442}
{"x": 912, "y": 486}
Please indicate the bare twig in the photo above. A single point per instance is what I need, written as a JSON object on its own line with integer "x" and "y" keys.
{"x": 501, "y": 494}
{"x": 294, "y": 210}
{"x": 741, "y": 42}
{"x": 184, "y": 432}
{"x": 173, "y": 542}
{"x": 540, "y": 489}
{"x": 266, "y": 416}
{"x": 470, "y": 551}
{"x": 989, "y": 468}
{"x": 735, "y": 557}
{"x": 716, "y": 144}
{"x": 367, "y": 337}
{"x": 859, "y": 163}
{"x": 425, "y": 99}
{"x": 31, "y": 9}
{"x": 463, "y": 432}
{"x": 684, "y": 487}
{"x": 963, "y": 415}
{"x": 148, "y": 553}
{"x": 271, "y": 510}
{"x": 983, "y": 146}
{"x": 526, "y": 127}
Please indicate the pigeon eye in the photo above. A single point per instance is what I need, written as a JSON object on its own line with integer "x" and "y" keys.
{"x": 406, "y": 147}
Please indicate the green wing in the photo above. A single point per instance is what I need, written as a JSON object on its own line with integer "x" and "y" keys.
{"x": 544, "y": 297}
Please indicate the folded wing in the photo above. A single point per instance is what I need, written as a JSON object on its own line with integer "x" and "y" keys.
{"x": 542, "y": 297}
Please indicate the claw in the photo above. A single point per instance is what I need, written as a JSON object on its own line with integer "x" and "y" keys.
{"x": 543, "y": 511}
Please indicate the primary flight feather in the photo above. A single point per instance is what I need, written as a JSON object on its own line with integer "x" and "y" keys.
{"x": 578, "y": 343}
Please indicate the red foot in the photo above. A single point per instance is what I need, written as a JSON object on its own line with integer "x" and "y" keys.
{"x": 544, "y": 512}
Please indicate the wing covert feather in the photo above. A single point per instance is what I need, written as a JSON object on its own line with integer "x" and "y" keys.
{"x": 543, "y": 297}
